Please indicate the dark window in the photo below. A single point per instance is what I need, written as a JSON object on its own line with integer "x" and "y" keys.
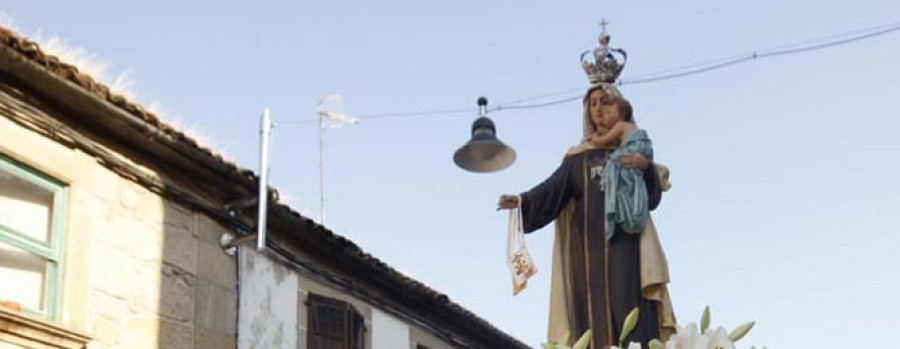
{"x": 334, "y": 324}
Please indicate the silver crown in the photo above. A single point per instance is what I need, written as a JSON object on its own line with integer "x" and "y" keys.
{"x": 603, "y": 67}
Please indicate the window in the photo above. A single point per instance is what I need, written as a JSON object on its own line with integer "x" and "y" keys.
{"x": 31, "y": 232}
{"x": 334, "y": 324}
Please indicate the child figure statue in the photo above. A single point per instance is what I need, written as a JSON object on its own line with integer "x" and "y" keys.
{"x": 626, "y": 197}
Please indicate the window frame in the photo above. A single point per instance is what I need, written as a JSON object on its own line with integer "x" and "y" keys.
{"x": 350, "y": 314}
{"x": 51, "y": 251}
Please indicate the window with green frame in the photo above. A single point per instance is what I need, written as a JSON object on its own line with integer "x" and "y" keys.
{"x": 32, "y": 208}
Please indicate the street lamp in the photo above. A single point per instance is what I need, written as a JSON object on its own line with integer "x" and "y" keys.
{"x": 484, "y": 152}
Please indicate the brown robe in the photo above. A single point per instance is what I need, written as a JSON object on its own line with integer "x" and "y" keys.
{"x": 595, "y": 283}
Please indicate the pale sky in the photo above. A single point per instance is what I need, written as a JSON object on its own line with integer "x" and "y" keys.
{"x": 783, "y": 169}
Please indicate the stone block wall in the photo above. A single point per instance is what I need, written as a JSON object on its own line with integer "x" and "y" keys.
{"x": 139, "y": 271}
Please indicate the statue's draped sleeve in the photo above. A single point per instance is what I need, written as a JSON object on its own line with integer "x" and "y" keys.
{"x": 654, "y": 189}
{"x": 543, "y": 203}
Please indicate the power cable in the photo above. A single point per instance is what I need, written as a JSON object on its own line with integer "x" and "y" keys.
{"x": 467, "y": 111}
{"x": 421, "y": 113}
{"x": 546, "y": 95}
{"x": 783, "y": 50}
{"x": 537, "y": 105}
{"x": 668, "y": 74}
{"x": 810, "y": 45}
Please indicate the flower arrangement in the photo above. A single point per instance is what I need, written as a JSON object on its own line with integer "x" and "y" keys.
{"x": 685, "y": 337}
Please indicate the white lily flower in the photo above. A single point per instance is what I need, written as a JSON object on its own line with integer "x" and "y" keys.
{"x": 718, "y": 339}
{"x": 687, "y": 337}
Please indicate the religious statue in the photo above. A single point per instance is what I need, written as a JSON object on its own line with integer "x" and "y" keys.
{"x": 599, "y": 276}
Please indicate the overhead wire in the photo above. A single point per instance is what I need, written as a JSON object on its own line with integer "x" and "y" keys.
{"x": 421, "y": 113}
{"x": 546, "y": 95}
{"x": 466, "y": 111}
{"x": 832, "y": 43}
{"x": 536, "y": 105}
{"x": 668, "y": 74}
{"x": 724, "y": 60}
{"x": 809, "y": 45}
{"x": 836, "y": 36}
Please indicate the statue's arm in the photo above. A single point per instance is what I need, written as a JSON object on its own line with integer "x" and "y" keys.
{"x": 654, "y": 189}
{"x": 614, "y": 134}
{"x": 543, "y": 203}
{"x": 637, "y": 160}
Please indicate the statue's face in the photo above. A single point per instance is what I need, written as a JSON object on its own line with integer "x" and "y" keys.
{"x": 595, "y": 103}
{"x": 610, "y": 114}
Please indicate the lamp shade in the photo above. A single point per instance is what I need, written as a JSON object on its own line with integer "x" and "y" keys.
{"x": 484, "y": 152}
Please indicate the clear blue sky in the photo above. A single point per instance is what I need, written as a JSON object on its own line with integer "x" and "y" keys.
{"x": 784, "y": 170}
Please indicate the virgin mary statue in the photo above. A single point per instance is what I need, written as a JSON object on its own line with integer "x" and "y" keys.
{"x": 596, "y": 281}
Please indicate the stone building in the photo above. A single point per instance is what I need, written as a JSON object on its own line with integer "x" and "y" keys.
{"x": 110, "y": 227}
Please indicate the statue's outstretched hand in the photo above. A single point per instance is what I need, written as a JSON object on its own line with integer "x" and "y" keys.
{"x": 507, "y": 202}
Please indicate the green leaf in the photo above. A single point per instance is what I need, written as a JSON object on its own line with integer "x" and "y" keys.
{"x": 584, "y": 341}
{"x": 564, "y": 338}
{"x": 741, "y": 331}
{"x": 656, "y": 344}
{"x": 630, "y": 322}
{"x": 704, "y": 320}
{"x": 546, "y": 346}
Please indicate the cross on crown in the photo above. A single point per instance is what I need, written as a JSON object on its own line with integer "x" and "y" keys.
{"x": 602, "y": 66}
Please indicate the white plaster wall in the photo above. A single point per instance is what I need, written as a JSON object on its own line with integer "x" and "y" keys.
{"x": 388, "y": 332}
{"x": 267, "y": 314}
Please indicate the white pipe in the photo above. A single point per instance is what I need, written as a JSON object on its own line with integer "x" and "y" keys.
{"x": 321, "y": 168}
{"x": 265, "y": 128}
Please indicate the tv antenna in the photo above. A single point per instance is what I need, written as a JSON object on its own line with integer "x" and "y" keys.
{"x": 331, "y": 116}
